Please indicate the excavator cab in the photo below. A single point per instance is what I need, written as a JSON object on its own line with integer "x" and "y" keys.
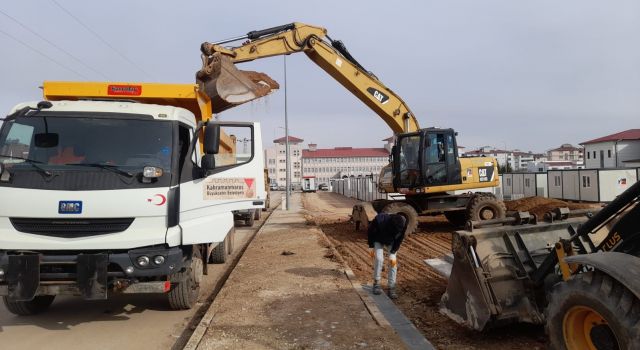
{"x": 428, "y": 157}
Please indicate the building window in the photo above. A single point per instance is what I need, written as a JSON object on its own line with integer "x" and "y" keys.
{"x": 556, "y": 180}
{"x": 586, "y": 181}
{"x": 508, "y": 182}
{"x": 609, "y": 153}
{"x": 527, "y": 182}
{"x": 588, "y": 155}
{"x": 594, "y": 154}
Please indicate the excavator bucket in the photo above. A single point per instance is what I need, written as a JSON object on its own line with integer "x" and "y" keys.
{"x": 227, "y": 86}
{"x": 493, "y": 272}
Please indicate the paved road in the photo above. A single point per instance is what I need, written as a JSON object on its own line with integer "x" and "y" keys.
{"x": 123, "y": 321}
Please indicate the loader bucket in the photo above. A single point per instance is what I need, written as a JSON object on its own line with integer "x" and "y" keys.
{"x": 227, "y": 86}
{"x": 491, "y": 280}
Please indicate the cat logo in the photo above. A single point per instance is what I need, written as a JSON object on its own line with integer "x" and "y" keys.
{"x": 380, "y": 96}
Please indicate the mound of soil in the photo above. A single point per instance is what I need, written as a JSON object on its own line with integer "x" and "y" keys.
{"x": 541, "y": 205}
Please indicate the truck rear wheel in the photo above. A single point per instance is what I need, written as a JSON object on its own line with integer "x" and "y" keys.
{"x": 185, "y": 287}
{"x": 31, "y": 307}
{"x": 485, "y": 207}
{"x": 593, "y": 311}
{"x": 405, "y": 210}
{"x": 220, "y": 252}
{"x": 256, "y": 215}
{"x": 250, "y": 220}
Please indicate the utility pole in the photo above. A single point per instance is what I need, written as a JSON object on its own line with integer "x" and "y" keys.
{"x": 286, "y": 136}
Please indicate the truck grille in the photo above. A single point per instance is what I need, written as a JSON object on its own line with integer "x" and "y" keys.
{"x": 71, "y": 228}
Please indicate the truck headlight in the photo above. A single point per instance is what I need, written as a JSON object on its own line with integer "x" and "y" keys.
{"x": 158, "y": 259}
{"x": 143, "y": 261}
{"x": 151, "y": 172}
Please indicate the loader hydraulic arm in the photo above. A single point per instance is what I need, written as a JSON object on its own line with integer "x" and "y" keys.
{"x": 331, "y": 55}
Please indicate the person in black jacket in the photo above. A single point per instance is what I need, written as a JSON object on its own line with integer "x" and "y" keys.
{"x": 386, "y": 231}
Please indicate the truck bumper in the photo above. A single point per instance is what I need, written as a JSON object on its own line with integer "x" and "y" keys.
{"x": 23, "y": 275}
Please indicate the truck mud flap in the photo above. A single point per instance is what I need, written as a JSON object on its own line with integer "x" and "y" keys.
{"x": 92, "y": 276}
{"x": 23, "y": 277}
{"x": 465, "y": 301}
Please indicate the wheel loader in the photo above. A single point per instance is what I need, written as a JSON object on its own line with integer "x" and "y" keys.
{"x": 425, "y": 167}
{"x": 576, "y": 272}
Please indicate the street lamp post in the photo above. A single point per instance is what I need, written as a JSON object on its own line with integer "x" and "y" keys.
{"x": 286, "y": 136}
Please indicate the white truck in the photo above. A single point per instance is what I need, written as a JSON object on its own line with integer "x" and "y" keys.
{"x": 119, "y": 188}
{"x": 309, "y": 184}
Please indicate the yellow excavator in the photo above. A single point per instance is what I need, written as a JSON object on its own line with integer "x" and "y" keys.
{"x": 424, "y": 168}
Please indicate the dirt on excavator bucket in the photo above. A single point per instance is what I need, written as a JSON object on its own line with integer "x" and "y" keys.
{"x": 227, "y": 86}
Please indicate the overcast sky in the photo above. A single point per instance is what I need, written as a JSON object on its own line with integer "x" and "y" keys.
{"x": 527, "y": 75}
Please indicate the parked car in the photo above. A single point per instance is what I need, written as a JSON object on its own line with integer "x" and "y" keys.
{"x": 323, "y": 187}
{"x": 273, "y": 187}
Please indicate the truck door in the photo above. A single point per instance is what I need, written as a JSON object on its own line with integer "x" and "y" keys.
{"x": 235, "y": 183}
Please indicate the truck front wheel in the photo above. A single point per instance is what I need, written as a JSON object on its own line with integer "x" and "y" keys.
{"x": 24, "y": 308}
{"x": 185, "y": 287}
{"x": 593, "y": 311}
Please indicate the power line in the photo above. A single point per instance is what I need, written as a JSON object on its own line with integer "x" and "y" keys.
{"x": 54, "y": 45}
{"x": 101, "y": 39}
{"x": 43, "y": 54}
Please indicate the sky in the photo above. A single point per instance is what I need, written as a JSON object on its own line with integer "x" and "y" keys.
{"x": 510, "y": 74}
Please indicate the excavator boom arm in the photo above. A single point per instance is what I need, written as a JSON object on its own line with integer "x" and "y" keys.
{"x": 330, "y": 55}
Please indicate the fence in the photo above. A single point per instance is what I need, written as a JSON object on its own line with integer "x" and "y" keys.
{"x": 361, "y": 188}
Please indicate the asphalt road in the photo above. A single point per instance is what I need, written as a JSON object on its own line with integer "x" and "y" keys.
{"x": 121, "y": 322}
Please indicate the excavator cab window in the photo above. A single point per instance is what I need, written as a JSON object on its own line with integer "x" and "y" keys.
{"x": 408, "y": 156}
{"x": 434, "y": 159}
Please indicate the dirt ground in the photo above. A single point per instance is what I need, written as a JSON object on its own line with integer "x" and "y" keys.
{"x": 420, "y": 286}
{"x": 287, "y": 293}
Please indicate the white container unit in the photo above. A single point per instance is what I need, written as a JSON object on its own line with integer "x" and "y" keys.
{"x": 588, "y": 179}
{"x": 554, "y": 183}
{"x": 612, "y": 182}
{"x": 507, "y": 186}
{"x": 570, "y": 185}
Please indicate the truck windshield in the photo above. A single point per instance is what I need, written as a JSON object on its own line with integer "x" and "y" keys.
{"x": 85, "y": 143}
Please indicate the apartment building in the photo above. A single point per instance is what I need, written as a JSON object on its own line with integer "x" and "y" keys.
{"x": 276, "y": 161}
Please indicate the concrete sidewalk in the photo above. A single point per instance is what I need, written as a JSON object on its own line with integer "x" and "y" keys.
{"x": 287, "y": 293}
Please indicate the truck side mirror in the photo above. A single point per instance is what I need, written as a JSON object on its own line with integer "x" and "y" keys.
{"x": 208, "y": 163}
{"x": 211, "y": 139}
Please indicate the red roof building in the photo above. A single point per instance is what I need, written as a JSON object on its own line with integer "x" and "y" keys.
{"x": 329, "y": 163}
{"x": 292, "y": 139}
{"x": 613, "y": 151}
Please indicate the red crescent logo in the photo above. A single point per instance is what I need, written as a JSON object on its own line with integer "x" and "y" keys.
{"x": 163, "y": 200}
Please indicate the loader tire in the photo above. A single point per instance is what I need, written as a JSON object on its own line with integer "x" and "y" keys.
{"x": 592, "y": 311}
{"x": 485, "y": 207}
{"x": 405, "y": 210}
{"x": 456, "y": 218}
{"x": 31, "y": 307}
{"x": 185, "y": 285}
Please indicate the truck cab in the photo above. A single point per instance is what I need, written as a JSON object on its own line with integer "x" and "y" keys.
{"x": 104, "y": 195}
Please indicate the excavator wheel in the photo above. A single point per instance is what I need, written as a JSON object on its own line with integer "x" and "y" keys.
{"x": 405, "y": 210}
{"x": 593, "y": 311}
{"x": 485, "y": 207}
